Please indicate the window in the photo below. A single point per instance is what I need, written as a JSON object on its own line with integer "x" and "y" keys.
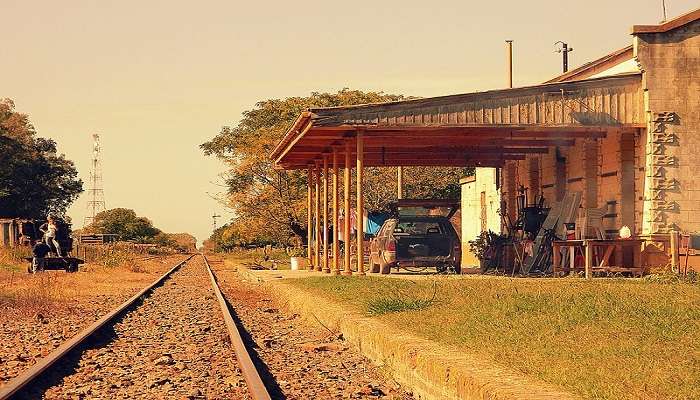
{"x": 418, "y": 228}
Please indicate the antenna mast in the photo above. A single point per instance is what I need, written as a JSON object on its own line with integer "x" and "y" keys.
{"x": 96, "y": 203}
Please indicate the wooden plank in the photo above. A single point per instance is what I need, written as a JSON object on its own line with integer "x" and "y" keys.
{"x": 588, "y": 256}
{"x": 605, "y": 261}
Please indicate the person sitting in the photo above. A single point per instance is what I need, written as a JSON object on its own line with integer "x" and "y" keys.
{"x": 40, "y": 250}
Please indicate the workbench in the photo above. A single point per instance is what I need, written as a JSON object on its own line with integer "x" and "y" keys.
{"x": 599, "y": 255}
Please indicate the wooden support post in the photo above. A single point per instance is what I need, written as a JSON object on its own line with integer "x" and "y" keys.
{"x": 674, "y": 252}
{"x": 317, "y": 222}
{"x": 399, "y": 183}
{"x": 326, "y": 267}
{"x": 309, "y": 218}
{"x": 347, "y": 270}
{"x": 360, "y": 205}
{"x": 588, "y": 253}
{"x": 336, "y": 228}
{"x": 572, "y": 260}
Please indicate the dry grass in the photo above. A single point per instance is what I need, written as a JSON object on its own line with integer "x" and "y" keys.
{"x": 23, "y": 294}
{"x": 11, "y": 259}
{"x": 603, "y": 339}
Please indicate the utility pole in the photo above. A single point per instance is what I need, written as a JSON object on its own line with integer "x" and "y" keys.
{"x": 564, "y": 50}
{"x": 214, "y": 217}
{"x": 96, "y": 203}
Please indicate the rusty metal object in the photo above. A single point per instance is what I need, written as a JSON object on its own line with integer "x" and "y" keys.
{"x": 45, "y": 363}
{"x": 256, "y": 387}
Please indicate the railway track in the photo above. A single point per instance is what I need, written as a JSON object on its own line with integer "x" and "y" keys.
{"x": 169, "y": 337}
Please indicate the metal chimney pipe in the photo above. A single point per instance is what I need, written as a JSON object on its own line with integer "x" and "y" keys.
{"x": 509, "y": 50}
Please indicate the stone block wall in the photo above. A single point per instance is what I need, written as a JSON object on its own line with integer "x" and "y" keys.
{"x": 670, "y": 62}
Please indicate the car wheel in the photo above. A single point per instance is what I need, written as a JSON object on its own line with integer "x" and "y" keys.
{"x": 457, "y": 268}
{"x": 441, "y": 269}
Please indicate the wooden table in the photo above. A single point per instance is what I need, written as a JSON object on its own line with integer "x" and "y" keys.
{"x": 602, "y": 263}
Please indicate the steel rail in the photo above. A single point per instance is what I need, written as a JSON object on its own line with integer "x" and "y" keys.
{"x": 45, "y": 363}
{"x": 256, "y": 387}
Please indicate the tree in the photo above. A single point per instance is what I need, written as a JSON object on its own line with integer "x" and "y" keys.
{"x": 270, "y": 204}
{"x": 183, "y": 241}
{"x": 34, "y": 180}
{"x": 125, "y": 223}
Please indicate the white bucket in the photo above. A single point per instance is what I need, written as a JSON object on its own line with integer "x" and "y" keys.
{"x": 298, "y": 263}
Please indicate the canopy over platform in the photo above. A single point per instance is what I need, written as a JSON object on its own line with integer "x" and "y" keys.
{"x": 474, "y": 129}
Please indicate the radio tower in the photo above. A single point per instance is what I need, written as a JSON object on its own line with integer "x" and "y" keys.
{"x": 96, "y": 202}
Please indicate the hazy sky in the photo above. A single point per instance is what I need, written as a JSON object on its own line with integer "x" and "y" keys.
{"x": 157, "y": 78}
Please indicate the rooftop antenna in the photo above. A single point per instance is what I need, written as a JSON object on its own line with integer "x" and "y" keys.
{"x": 663, "y": 7}
{"x": 96, "y": 202}
{"x": 214, "y": 217}
{"x": 565, "y": 50}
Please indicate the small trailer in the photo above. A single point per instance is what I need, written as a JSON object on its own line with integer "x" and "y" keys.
{"x": 69, "y": 264}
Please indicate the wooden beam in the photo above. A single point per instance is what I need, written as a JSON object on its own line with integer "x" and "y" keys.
{"x": 326, "y": 267}
{"x": 438, "y": 150}
{"x": 346, "y": 206}
{"x": 300, "y": 135}
{"x": 492, "y": 162}
{"x": 317, "y": 219}
{"x": 322, "y": 145}
{"x": 418, "y": 154}
{"x": 360, "y": 204}
{"x": 309, "y": 219}
{"x": 399, "y": 183}
{"x": 336, "y": 229}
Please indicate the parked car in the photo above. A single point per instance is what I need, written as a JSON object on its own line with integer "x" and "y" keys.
{"x": 415, "y": 239}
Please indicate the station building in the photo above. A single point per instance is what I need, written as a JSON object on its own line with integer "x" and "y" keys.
{"x": 623, "y": 130}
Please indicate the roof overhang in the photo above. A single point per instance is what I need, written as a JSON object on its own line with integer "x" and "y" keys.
{"x": 668, "y": 25}
{"x": 474, "y": 129}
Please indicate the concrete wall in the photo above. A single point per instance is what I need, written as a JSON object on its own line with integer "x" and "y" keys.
{"x": 670, "y": 62}
{"x": 473, "y": 211}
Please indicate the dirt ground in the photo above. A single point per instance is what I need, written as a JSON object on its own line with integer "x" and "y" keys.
{"x": 39, "y": 312}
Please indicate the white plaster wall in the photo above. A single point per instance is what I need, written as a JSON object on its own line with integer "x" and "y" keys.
{"x": 485, "y": 181}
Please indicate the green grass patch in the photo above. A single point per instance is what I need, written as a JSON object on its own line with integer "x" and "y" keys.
{"x": 385, "y": 305}
{"x": 603, "y": 339}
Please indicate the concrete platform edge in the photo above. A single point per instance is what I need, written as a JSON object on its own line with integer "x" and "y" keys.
{"x": 429, "y": 370}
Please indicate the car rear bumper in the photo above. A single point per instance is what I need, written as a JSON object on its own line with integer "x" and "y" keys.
{"x": 423, "y": 261}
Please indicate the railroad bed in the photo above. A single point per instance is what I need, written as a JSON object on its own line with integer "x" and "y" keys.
{"x": 177, "y": 339}
{"x": 167, "y": 347}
